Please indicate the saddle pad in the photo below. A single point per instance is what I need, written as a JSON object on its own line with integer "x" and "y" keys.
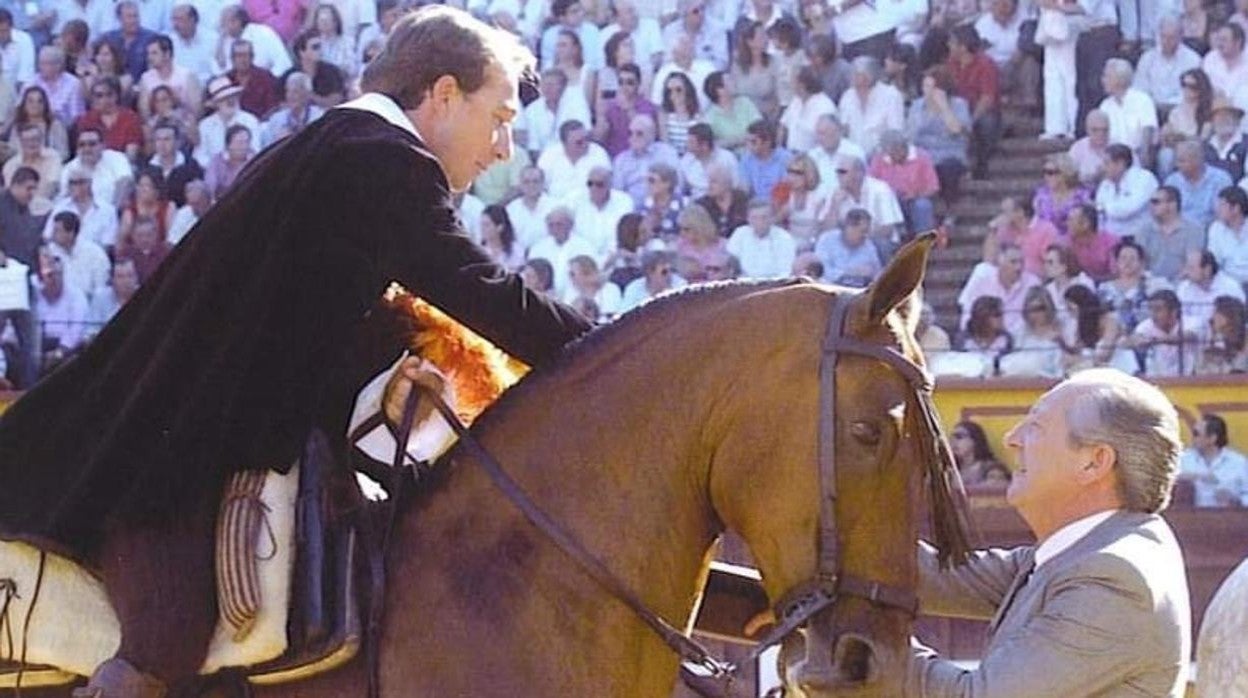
{"x": 73, "y": 626}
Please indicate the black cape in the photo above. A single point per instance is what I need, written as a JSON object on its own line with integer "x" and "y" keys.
{"x": 259, "y": 327}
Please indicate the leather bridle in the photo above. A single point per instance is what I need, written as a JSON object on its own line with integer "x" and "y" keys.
{"x": 806, "y": 600}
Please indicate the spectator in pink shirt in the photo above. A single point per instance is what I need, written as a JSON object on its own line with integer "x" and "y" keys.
{"x": 1005, "y": 280}
{"x": 911, "y": 174}
{"x": 1017, "y": 224}
{"x": 1093, "y": 248}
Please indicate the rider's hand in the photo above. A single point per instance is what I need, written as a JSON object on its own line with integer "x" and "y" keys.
{"x": 412, "y": 370}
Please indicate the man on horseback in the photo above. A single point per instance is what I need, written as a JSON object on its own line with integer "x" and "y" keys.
{"x": 261, "y": 327}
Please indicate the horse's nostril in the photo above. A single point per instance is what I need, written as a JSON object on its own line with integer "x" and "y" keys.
{"x": 854, "y": 659}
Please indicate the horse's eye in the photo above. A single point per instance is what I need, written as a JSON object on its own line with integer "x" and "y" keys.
{"x": 865, "y": 432}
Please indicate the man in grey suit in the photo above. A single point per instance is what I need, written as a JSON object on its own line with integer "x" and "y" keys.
{"x": 1099, "y": 607}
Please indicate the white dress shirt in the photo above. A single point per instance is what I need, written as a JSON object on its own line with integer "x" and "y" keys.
{"x": 565, "y": 178}
{"x": 884, "y": 109}
{"x": 598, "y": 224}
{"x": 1197, "y": 301}
{"x": 1229, "y": 470}
{"x": 801, "y": 117}
{"x": 97, "y": 224}
{"x": 541, "y": 125}
{"x": 768, "y": 256}
{"x": 558, "y": 255}
{"x": 1129, "y": 116}
{"x": 1066, "y": 536}
{"x": 198, "y": 53}
{"x": 1125, "y": 203}
{"x": 1230, "y": 247}
{"x": 17, "y": 59}
{"x": 529, "y": 223}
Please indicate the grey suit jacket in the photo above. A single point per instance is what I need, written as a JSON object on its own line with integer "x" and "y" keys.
{"x": 1108, "y": 616}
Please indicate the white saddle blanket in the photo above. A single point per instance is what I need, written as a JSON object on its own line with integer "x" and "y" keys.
{"x": 74, "y": 628}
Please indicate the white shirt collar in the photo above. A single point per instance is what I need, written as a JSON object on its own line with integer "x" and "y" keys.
{"x": 383, "y": 106}
{"x": 1068, "y": 535}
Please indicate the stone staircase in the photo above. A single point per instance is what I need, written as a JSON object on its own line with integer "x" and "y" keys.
{"x": 1015, "y": 170}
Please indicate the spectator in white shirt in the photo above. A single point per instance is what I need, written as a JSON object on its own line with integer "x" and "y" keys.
{"x": 61, "y": 310}
{"x": 598, "y": 210}
{"x": 827, "y": 155}
{"x": 799, "y": 122}
{"x": 198, "y": 200}
{"x": 528, "y": 211}
{"x": 681, "y": 59}
{"x": 560, "y": 245}
{"x": 85, "y": 263}
{"x": 710, "y": 41}
{"x": 1203, "y": 282}
{"x": 658, "y": 275}
{"x": 1225, "y": 64}
{"x": 538, "y": 125}
{"x": 223, "y": 94}
{"x": 999, "y": 27}
{"x": 645, "y": 32}
{"x": 107, "y": 168}
{"x": 123, "y": 283}
{"x": 1218, "y": 472}
{"x": 1123, "y": 196}
{"x": 764, "y": 249}
{"x": 869, "y": 107}
{"x": 269, "y": 51}
{"x": 700, "y": 155}
{"x": 1006, "y": 280}
{"x": 97, "y": 220}
{"x": 567, "y": 163}
{"x": 17, "y": 53}
{"x": 194, "y": 46}
{"x": 1228, "y": 236}
{"x": 858, "y": 190}
{"x": 587, "y": 282}
{"x": 1161, "y": 67}
{"x": 570, "y": 16}
{"x": 1167, "y": 342}
{"x": 1132, "y": 114}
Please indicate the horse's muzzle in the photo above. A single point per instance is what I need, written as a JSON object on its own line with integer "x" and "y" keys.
{"x": 825, "y": 667}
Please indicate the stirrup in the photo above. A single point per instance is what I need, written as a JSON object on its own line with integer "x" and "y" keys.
{"x": 117, "y": 678}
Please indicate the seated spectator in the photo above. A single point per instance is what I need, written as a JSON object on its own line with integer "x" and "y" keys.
{"x": 621, "y": 50}
{"x": 149, "y": 201}
{"x": 165, "y": 108}
{"x": 560, "y": 245}
{"x": 19, "y": 227}
{"x": 1018, "y": 225}
{"x": 1227, "y": 147}
{"x": 498, "y": 238}
{"x": 615, "y": 115}
{"x": 1127, "y": 293}
{"x": 33, "y": 109}
{"x": 848, "y": 255}
{"x": 567, "y": 164}
{"x": 932, "y": 337}
{"x": 1124, "y": 193}
{"x": 663, "y": 203}
{"x": 62, "y": 313}
{"x": 1160, "y": 69}
{"x": 754, "y": 72}
{"x": 329, "y": 83}
{"x": 163, "y": 71}
{"x": 1228, "y": 236}
{"x": 500, "y": 182}
{"x": 1167, "y": 237}
{"x": 294, "y": 114}
{"x": 700, "y": 245}
{"x": 972, "y": 453}
{"x": 763, "y": 165}
{"x": 870, "y": 107}
{"x": 645, "y": 31}
{"x": 1038, "y": 346}
{"x": 586, "y": 282}
{"x": 1131, "y": 112}
{"x": 1094, "y": 338}
{"x": 226, "y": 165}
{"x": 805, "y": 208}
{"x": 1218, "y": 472}
{"x": 985, "y": 335}
{"x": 107, "y": 62}
{"x": 108, "y": 169}
{"x": 1167, "y": 346}
{"x": 121, "y": 127}
{"x": 726, "y": 204}
{"x": 940, "y": 123}
{"x": 800, "y": 118}
{"x": 827, "y": 154}
{"x": 823, "y": 55}
{"x": 197, "y": 202}
{"x": 807, "y": 265}
{"x": 539, "y": 123}
{"x": 34, "y": 154}
{"x": 260, "y": 95}
{"x": 130, "y": 35}
{"x": 1005, "y": 280}
{"x": 678, "y": 111}
{"x": 337, "y": 47}
{"x": 63, "y": 90}
{"x": 98, "y": 219}
{"x": 123, "y": 283}
{"x": 168, "y": 159}
{"x": 657, "y": 276}
{"x": 570, "y": 15}
{"x": 1088, "y": 154}
{"x": 1225, "y": 64}
{"x": 1000, "y": 27}
{"x": 1224, "y": 349}
{"x": 976, "y": 78}
{"x": 223, "y": 97}
{"x": 1203, "y": 283}
{"x": 909, "y": 171}
{"x": 682, "y": 61}
{"x": 1061, "y": 272}
{"x": 764, "y": 249}
{"x": 539, "y": 276}
{"x": 632, "y": 237}
{"x": 84, "y": 264}
{"x": 632, "y": 167}
{"x": 858, "y": 190}
{"x": 1092, "y": 247}
{"x": 598, "y": 210}
{"x": 1192, "y": 117}
{"x": 147, "y": 248}
{"x": 728, "y": 114}
{"x": 1197, "y": 25}
{"x": 1060, "y": 193}
{"x": 786, "y": 51}
{"x": 528, "y": 211}
{"x": 1197, "y": 183}
{"x": 700, "y": 154}
{"x": 270, "y": 51}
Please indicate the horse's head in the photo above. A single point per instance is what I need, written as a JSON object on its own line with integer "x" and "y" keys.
{"x": 832, "y": 524}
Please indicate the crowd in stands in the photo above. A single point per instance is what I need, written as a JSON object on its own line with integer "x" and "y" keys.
{"x": 678, "y": 141}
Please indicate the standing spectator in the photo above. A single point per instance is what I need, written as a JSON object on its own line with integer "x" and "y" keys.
{"x": 754, "y": 71}
{"x": 663, "y": 202}
{"x": 1167, "y": 344}
{"x": 17, "y": 53}
{"x": 700, "y": 245}
{"x": 1228, "y": 236}
{"x": 223, "y": 94}
{"x": 1226, "y": 65}
{"x": 43, "y": 160}
{"x": 984, "y": 334}
{"x": 1088, "y": 154}
{"x": 763, "y": 164}
{"x": 337, "y": 46}
{"x": 805, "y": 209}
{"x": 858, "y": 190}
{"x": 870, "y": 107}
{"x": 1096, "y": 45}
{"x": 827, "y": 155}
{"x": 709, "y": 38}
{"x": 631, "y": 167}
{"x": 123, "y": 283}
{"x": 132, "y": 37}
{"x": 1005, "y": 280}
{"x": 848, "y": 255}
{"x": 1197, "y": 183}
{"x": 656, "y": 277}
{"x": 1131, "y": 112}
{"x": 162, "y": 70}
{"x": 567, "y": 163}
{"x": 148, "y": 249}
{"x": 570, "y": 16}
{"x": 1225, "y": 347}
{"x": 260, "y": 89}
{"x": 615, "y": 115}
{"x": 1061, "y": 192}
{"x": 269, "y": 52}
{"x": 1191, "y": 118}
{"x": 560, "y": 245}
{"x": 329, "y": 84}
{"x": 680, "y": 109}
{"x": 912, "y": 176}
{"x": 171, "y": 163}
{"x": 539, "y": 123}
{"x": 62, "y": 89}
{"x": 800, "y": 118}
{"x": 498, "y": 238}
{"x": 727, "y": 205}
{"x": 19, "y": 228}
{"x": 62, "y": 313}
{"x": 529, "y": 210}
{"x": 940, "y": 123}
{"x": 1018, "y": 225}
{"x": 1000, "y": 27}
{"x": 1219, "y": 472}
{"x": 1167, "y": 237}
{"x": 197, "y": 203}
{"x": 34, "y": 109}
{"x": 977, "y": 81}
{"x": 597, "y": 211}
{"x": 700, "y": 154}
{"x": 864, "y": 30}
{"x": 1061, "y": 75}
{"x": 121, "y": 127}
{"x": 1093, "y": 247}
{"x": 220, "y": 174}
{"x": 84, "y": 263}
{"x": 1127, "y": 293}
{"x": 97, "y": 219}
{"x": 194, "y": 45}
{"x": 728, "y": 114}
{"x": 764, "y": 249}
{"x": 1124, "y": 193}
{"x": 296, "y": 112}
{"x": 1162, "y": 67}
{"x": 1204, "y": 282}
{"x": 1227, "y": 146}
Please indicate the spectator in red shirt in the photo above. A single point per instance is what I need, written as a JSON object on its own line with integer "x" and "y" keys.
{"x": 148, "y": 250}
{"x": 909, "y": 171}
{"x": 259, "y": 95}
{"x": 122, "y": 127}
{"x": 977, "y": 81}
{"x": 1094, "y": 249}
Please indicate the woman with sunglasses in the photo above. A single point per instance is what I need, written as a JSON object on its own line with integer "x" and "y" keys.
{"x": 680, "y": 111}
{"x": 1038, "y": 349}
{"x": 985, "y": 335}
{"x": 1192, "y": 117}
{"x": 1224, "y": 348}
{"x": 805, "y": 207}
{"x": 1061, "y": 192}
{"x": 976, "y": 462}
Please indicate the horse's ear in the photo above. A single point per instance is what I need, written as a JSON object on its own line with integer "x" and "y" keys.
{"x": 900, "y": 280}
